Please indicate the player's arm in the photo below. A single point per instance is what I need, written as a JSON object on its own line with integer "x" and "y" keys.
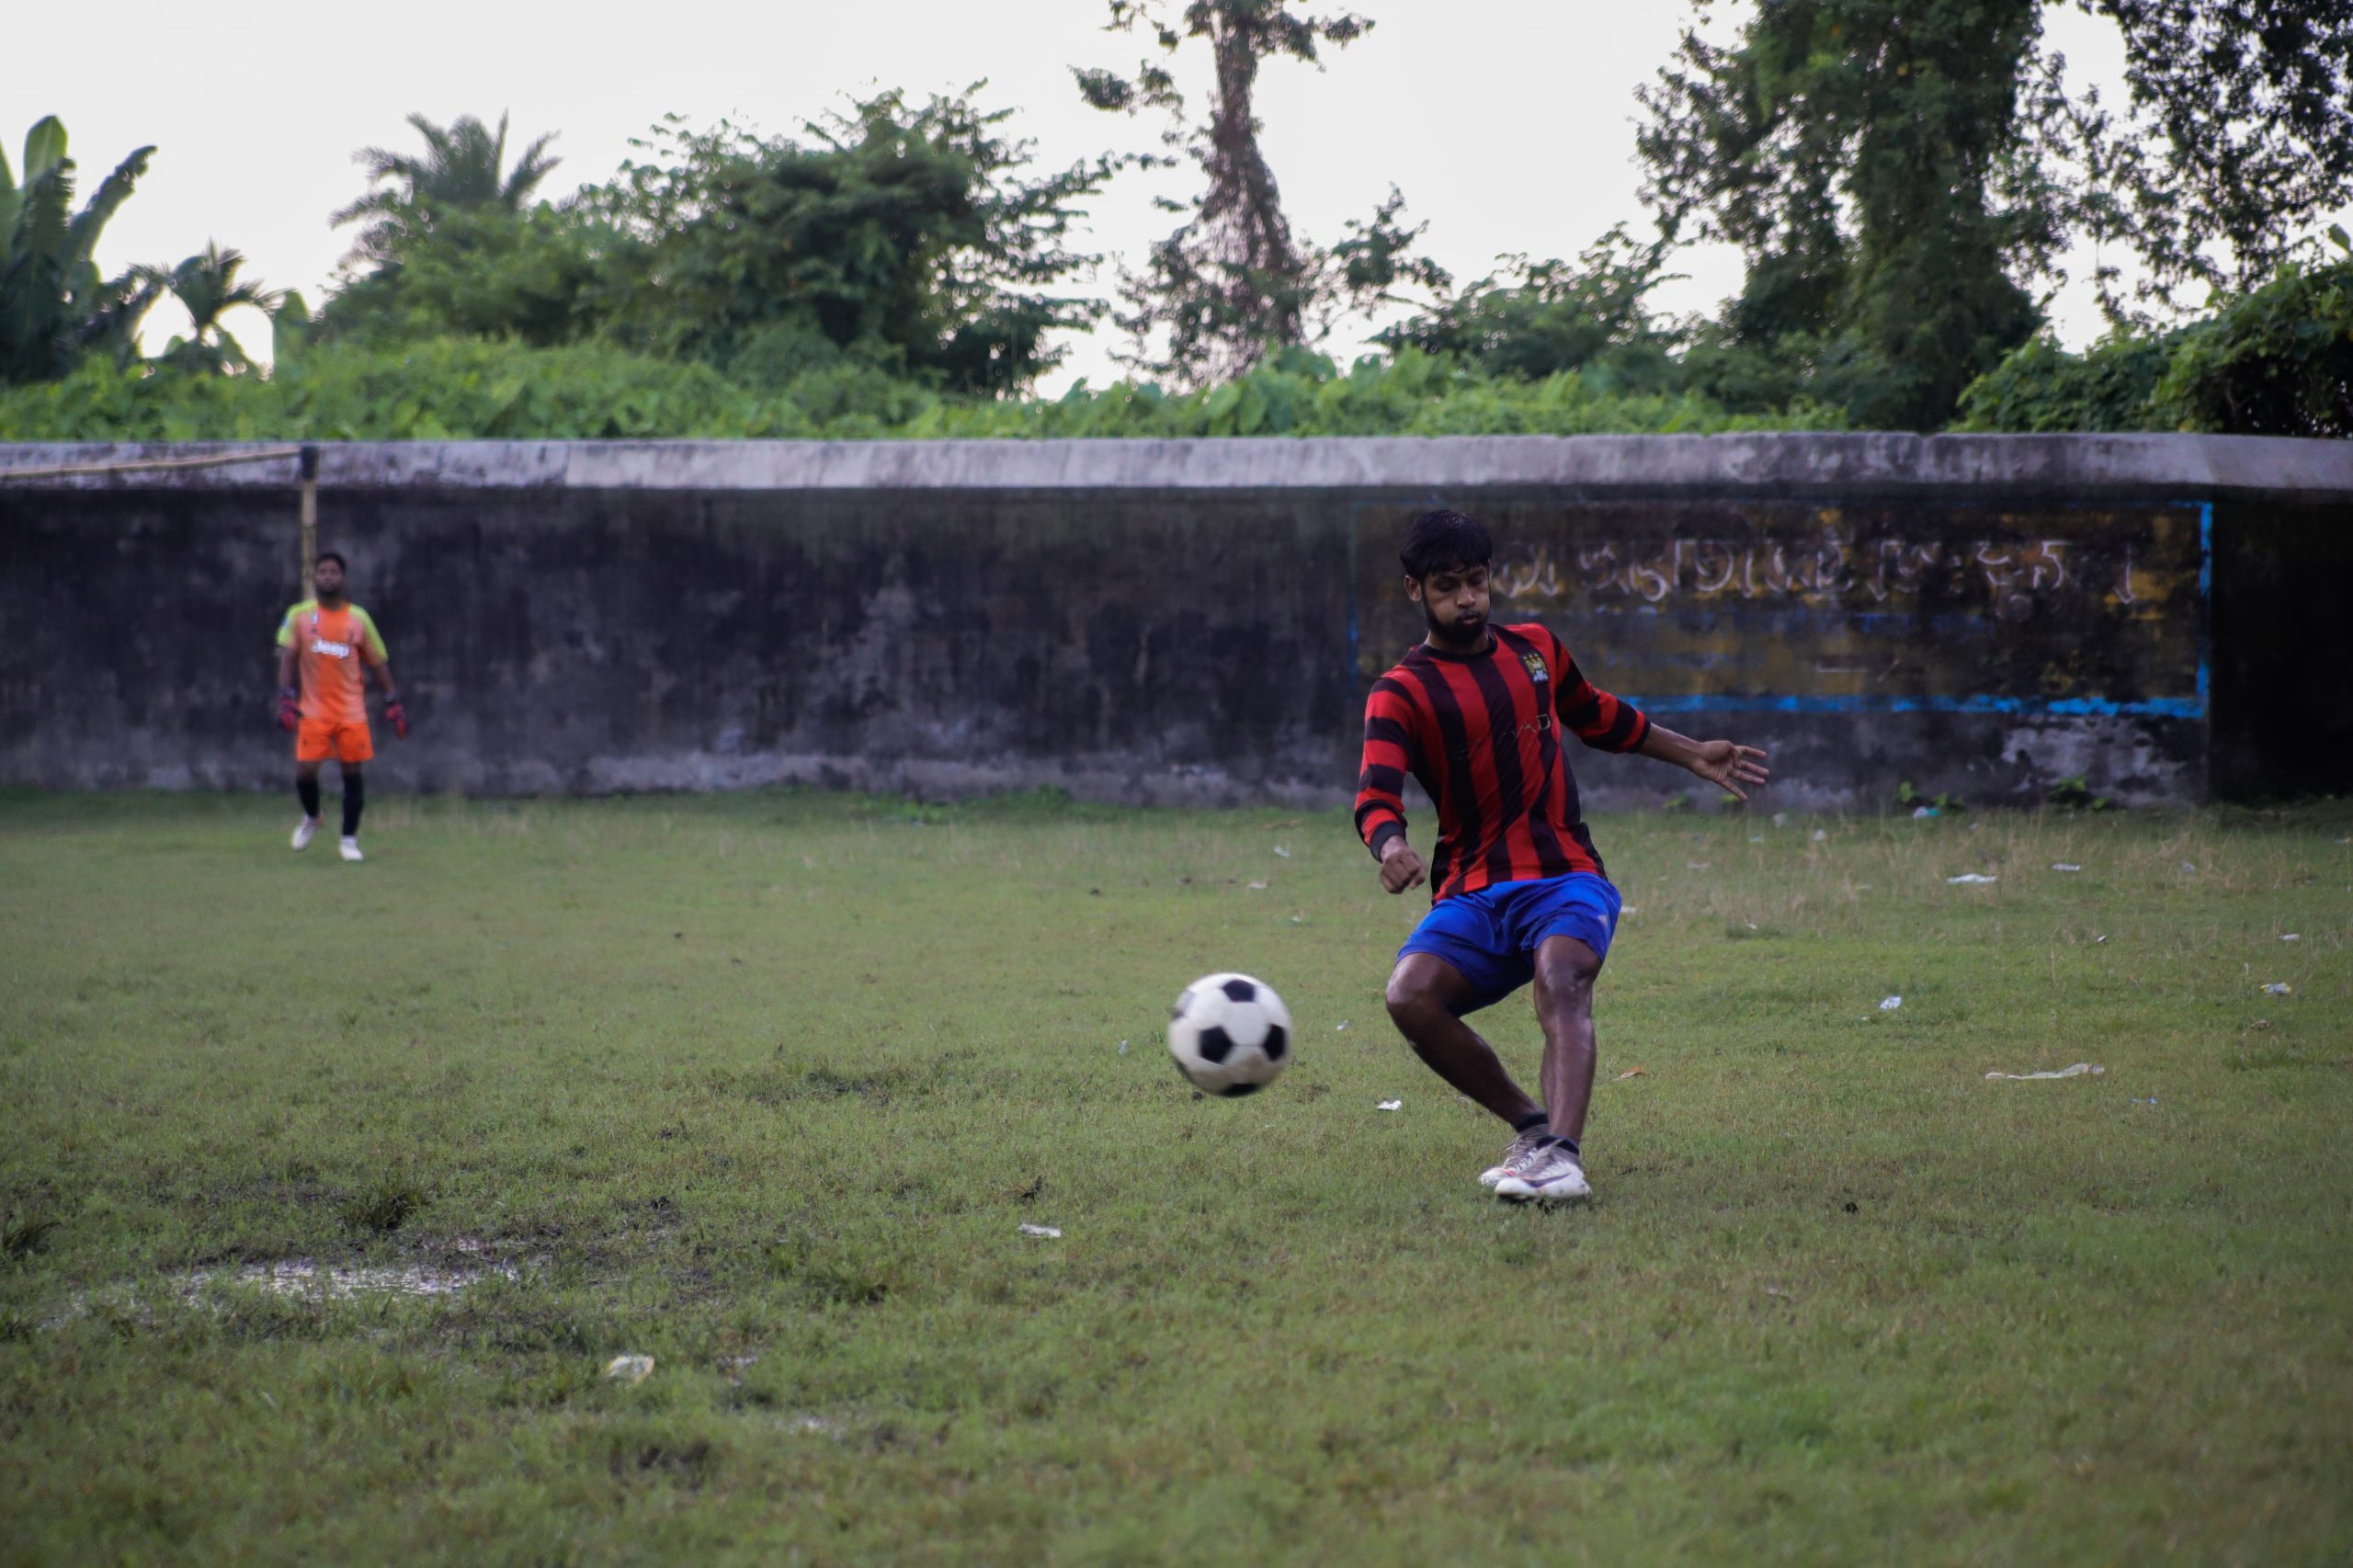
{"x": 372, "y": 656}
{"x": 1381, "y": 787}
{"x": 1607, "y": 723}
{"x": 290, "y": 714}
{"x": 1721, "y": 763}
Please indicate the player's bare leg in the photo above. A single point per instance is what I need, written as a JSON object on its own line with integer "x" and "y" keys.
{"x": 306, "y": 789}
{"x": 1564, "y": 971}
{"x": 1424, "y": 994}
{"x": 1565, "y": 975}
{"x": 1424, "y": 991}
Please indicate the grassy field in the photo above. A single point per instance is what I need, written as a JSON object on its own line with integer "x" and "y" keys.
{"x": 765, "y": 1087}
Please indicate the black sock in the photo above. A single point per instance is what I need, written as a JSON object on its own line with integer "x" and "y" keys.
{"x": 1570, "y": 1145}
{"x": 355, "y": 800}
{"x": 1531, "y": 1123}
{"x": 307, "y": 791}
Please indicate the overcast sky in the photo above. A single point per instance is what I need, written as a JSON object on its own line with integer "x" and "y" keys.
{"x": 1508, "y": 124}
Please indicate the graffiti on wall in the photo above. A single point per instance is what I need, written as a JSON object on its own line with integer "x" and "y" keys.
{"x": 1782, "y": 605}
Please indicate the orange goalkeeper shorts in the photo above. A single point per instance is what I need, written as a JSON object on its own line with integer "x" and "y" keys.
{"x": 320, "y": 739}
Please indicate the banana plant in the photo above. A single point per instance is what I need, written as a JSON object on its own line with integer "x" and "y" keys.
{"x": 55, "y": 307}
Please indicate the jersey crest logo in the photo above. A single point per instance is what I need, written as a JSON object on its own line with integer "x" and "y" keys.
{"x": 1535, "y": 663}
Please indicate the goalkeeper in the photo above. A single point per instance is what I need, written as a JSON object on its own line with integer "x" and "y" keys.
{"x": 325, "y": 646}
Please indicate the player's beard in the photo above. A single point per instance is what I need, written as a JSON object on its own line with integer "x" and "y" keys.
{"x": 1461, "y": 636}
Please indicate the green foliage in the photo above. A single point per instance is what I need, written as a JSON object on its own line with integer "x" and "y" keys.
{"x": 532, "y": 276}
{"x": 1942, "y": 803}
{"x": 454, "y": 388}
{"x": 55, "y": 307}
{"x": 1900, "y": 174}
{"x": 1857, "y": 151}
{"x": 2076, "y": 795}
{"x": 1540, "y": 318}
{"x": 2240, "y": 137}
{"x": 2277, "y": 361}
{"x": 903, "y": 235}
{"x": 2043, "y": 389}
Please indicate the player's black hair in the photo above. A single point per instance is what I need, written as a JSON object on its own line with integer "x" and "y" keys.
{"x": 334, "y": 555}
{"x": 1442, "y": 539}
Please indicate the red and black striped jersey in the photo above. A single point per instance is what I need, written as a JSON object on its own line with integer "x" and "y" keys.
{"x": 1482, "y": 731}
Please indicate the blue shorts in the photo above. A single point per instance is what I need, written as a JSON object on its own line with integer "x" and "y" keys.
{"x": 1492, "y": 935}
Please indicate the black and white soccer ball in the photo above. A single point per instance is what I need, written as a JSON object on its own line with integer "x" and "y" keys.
{"x": 1230, "y": 1034}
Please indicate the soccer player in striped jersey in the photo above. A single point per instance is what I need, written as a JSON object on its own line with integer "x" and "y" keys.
{"x": 325, "y": 646}
{"x": 1475, "y": 712}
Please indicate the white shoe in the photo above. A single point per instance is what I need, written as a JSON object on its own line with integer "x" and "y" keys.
{"x": 1553, "y": 1175}
{"x": 306, "y": 831}
{"x": 350, "y": 849}
{"x": 1522, "y": 1147}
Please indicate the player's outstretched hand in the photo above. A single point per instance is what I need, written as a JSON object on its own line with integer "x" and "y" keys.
{"x": 290, "y": 717}
{"x": 397, "y": 717}
{"x": 1728, "y": 767}
{"x": 1400, "y": 867}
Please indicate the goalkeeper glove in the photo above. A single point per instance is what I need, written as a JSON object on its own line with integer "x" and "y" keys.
{"x": 397, "y": 717}
{"x": 290, "y": 717}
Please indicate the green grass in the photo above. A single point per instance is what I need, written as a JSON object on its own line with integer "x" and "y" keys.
{"x": 763, "y": 1086}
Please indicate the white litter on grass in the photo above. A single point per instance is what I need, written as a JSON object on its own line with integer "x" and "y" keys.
{"x": 1124, "y": 1048}
{"x": 1696, "y": 865}
{"x": 300, "y": 1276}
{"x": 1919, "y": 812}
{"x": 1821, "y": 836}
{"x": 1890, "y": 1004}
{"x": 1971, "y": 879}
{"x": 1340, "y": 1028}
{"x": 2080, "y": 1070}
{"x": 1781, "y": 818}
{"x": 1258, "y": 887}
{"x": 1391, "y": 1105}
{"x": 1282, "y": 852}
{"x": 1049, "y": 1232}
{"x": 1757, "y": 838}
{"x": 2291, "y": 936}
{"x": 2279, "y": 988}
{"x": 630, "y": 1368}
{"x": 2063, "y": 866}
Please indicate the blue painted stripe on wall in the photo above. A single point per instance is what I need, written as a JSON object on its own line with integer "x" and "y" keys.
{"x": 2065, "y": 707}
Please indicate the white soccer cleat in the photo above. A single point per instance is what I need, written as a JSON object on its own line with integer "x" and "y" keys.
{"x": 1519, "y": 1148}
{"x": 306, "y": 831}
{"x": 350, "y": 849}
{"x": 1552, "y": 1176}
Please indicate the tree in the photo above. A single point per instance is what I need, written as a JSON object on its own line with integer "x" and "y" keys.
{"x": 902, "y": 237}
{"x": 1233, "y": 283}
{"x": 208, "y": 286}
{"x": 1865, "y": 156}
{"x": 55, "y": 307}
{"x": 2239, "y": 138}
{"x": 1901, "y": 174}
{"x": 1538, "y": 318}
{"x": 464, "y": 169}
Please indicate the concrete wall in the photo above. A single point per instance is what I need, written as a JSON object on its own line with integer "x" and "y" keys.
{"x": 1195, "y": 621}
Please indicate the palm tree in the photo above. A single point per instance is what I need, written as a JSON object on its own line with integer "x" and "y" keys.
{"x": 206, "y": 286}
{"x": 464, "y": 166}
